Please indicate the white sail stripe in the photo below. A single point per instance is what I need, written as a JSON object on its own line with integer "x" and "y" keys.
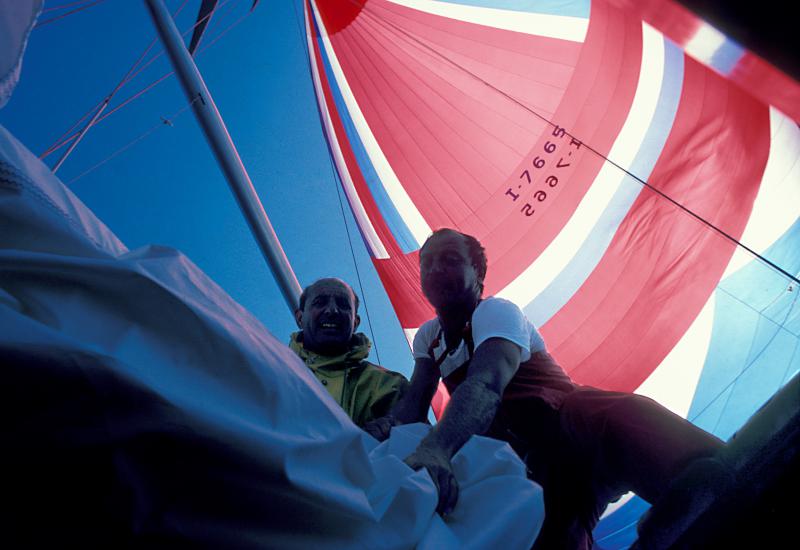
{"x": 713, "y": 49}
{"x": 412, "y": 218}
{"x": 373, "y": 241}
{"x": 549, "y": 26}
{"x": 704, "y": 43}
{"x": 776, "y": 206}
{"x": 566, "y": 244}
{"x": 674, "y": 382}
{"x": 409, "y": 334}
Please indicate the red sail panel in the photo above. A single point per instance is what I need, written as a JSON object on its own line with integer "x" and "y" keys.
{"x": 663, "y": 264}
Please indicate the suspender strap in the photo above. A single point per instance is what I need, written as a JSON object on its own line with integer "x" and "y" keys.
{"x": 435, "y": 344}
{"x": 466, "y": 335}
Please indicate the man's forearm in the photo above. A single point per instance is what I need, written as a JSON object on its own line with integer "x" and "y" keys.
{"x": 471, "y": 410}
{"x": 413, "y": 405}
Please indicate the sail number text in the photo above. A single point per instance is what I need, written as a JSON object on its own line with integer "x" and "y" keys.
{"x": 542, "y": 175}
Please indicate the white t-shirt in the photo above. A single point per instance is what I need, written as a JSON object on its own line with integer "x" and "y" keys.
{"x": 493, "y": 318}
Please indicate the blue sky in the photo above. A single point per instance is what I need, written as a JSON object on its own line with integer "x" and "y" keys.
{"x": 167, "y": 189}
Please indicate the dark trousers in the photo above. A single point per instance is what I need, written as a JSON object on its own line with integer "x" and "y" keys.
{"x": 597, "y": 446}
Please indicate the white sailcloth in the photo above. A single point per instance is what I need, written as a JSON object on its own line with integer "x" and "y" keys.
{"x": 145, "y": 402}
{"x": 17, "y": 18}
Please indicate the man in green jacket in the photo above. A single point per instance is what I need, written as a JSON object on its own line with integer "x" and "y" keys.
{"x": 336, "y": 354}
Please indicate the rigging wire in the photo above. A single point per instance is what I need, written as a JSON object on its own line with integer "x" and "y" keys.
{"x": 104, "y": 103}
{"x": 208, "y": 44}
{"x": 130, "y": 75}
{"x": 71, "y": 134}
{"x": 660, "y": 193}
{"x": 62, "y": 140}
{"x": 337, "y": 184}
{"x": 64, "y": 6}
{"x": 779, "y": 326}
{"x": 63, "y": 15}
{"x": 165, "y": 121}
{"x": 197, "y": 23}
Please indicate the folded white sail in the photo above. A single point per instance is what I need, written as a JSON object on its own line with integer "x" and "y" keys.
{"x": 147, "y": 404}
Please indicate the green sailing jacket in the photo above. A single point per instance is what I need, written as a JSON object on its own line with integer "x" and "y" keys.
{"x": 364, "y": 390}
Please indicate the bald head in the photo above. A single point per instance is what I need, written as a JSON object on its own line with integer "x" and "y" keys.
{"x": 324, "y": 281}
{"x": 328, "y": 316}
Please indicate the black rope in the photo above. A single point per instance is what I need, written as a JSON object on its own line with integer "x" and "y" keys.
{"x": 660, "y": 193}
{"x": 355, "y": 263}
{"x": 337, "y": 184}
{"x": 589, "y": 147}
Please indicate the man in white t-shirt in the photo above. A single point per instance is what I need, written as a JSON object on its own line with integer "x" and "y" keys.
{"x": 583, "y": 445}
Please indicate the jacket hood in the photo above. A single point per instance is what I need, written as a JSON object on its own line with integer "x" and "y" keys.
{"x": 359, "y": 350}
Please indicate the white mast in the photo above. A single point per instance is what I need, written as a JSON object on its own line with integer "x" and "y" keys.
{"x": 227, "y": 156}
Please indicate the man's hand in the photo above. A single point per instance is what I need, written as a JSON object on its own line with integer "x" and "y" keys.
{"x": 438, "y": 465}
{"x": 381, "y": 427}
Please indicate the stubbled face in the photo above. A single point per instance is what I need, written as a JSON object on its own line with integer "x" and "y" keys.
{"x": 449, "y": 278}
{"x": 329, "y": 318}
